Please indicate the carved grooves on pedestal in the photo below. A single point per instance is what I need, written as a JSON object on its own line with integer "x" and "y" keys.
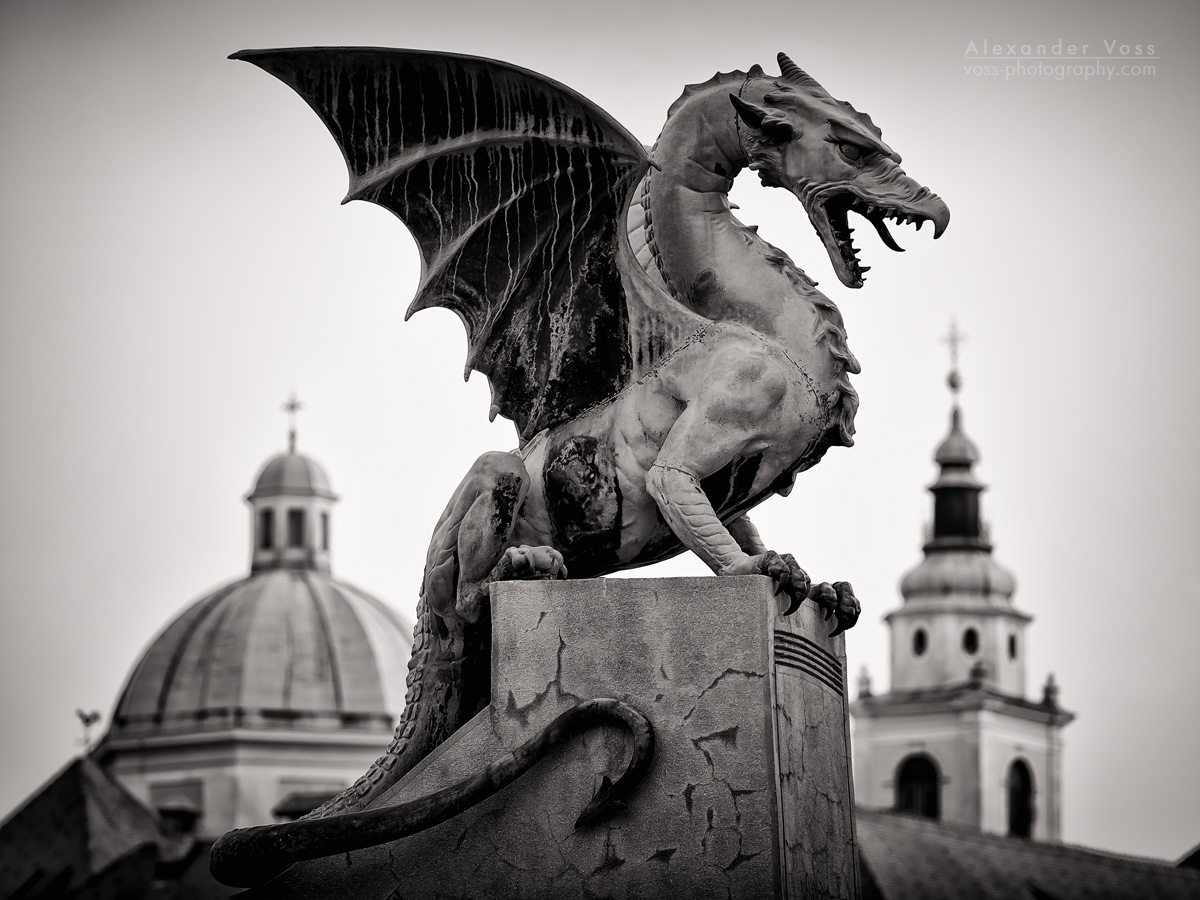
{"x": 798, "y": 652}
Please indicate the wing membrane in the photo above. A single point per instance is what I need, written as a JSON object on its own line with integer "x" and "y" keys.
{"x": 515, "y": 189}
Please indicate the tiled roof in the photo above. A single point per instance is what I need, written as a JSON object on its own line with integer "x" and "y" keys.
{"x": 909, "y": 858}
{"x": 79, "y": 824}
{"x": 84, "y": 836}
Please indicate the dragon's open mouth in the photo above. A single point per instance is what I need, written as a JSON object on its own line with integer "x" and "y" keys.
{"x": 837, "y": 233}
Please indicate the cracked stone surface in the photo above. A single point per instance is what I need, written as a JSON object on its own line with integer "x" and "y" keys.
{"x": 749, "y": 793}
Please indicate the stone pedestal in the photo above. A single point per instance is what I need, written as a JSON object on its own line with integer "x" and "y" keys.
{"x": 749, "y": 794}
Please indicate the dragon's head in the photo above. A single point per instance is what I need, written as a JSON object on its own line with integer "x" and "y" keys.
{"x": 834, "y": 159}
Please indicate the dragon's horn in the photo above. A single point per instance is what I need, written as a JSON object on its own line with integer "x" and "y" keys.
{"x": 771, "y": 123}
{"x": 796, "y": 75}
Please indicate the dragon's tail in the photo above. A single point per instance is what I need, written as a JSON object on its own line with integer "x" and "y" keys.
{"x": 251, "y": 856}
{"x": 407, "y": 747}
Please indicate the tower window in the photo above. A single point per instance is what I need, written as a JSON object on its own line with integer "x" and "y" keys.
{"x": 266, "y": 529}
{"x": 1020, "y": 800}
{"x": 324, "y": 531}
{"x": 179, "y": 804}
{"x": 1012, "y": 646}
{"x": 295, "y": 522}
{"x": 920, "y": 642}
{"x": 971, "y": 641}
{"x": 918, "y": 788}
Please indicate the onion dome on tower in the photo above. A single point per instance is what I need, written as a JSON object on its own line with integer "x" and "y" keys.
{"x": 287, "y": 682}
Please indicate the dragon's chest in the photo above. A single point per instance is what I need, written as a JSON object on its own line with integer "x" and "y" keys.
{"x": 749, "y": 480}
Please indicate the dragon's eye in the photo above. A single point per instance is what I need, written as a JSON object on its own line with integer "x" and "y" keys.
{"x": 852, "y": 152}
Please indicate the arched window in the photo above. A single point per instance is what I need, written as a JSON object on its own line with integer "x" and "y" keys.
{"x": 918, "y": 788}
{"x": 295, "y": 527}
{"x": 920, "y": 642}
{"x": 971, "y": 641}
{"x": 1020, "y": 800}
{"x": 266, "y": 528}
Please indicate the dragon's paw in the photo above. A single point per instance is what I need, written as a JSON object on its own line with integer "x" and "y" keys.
{"x": 789, "y": 578}
{"x": 838, "y": 600}
{"x": 516, "y": 564}
{"x": 528, "y": 563}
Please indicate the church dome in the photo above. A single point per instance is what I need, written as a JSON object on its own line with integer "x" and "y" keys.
{"x": 281, "y": 650}
{"x": 291, "y": 474}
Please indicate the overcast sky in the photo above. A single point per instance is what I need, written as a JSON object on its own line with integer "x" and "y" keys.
{"x": 175, "y": 260}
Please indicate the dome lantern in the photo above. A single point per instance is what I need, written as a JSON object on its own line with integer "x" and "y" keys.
{"x": 291, "y": 502}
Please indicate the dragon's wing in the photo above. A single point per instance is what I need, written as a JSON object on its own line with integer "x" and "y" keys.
{"x": 515, "y": 188}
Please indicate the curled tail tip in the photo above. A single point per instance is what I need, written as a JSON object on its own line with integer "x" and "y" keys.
{"x": 601, "y": 806}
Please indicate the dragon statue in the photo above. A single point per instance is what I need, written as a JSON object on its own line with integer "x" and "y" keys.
{"x": 666, "y": 368}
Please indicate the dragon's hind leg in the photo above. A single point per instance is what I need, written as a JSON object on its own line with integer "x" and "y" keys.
{"x": 473, "y": 546}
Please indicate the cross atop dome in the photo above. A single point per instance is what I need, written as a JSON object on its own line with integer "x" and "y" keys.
{"x": 291, "y": 407}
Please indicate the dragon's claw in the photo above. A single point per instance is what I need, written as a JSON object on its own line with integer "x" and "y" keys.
{"x": 824, "y": 596}
{"x": 789, "y": 578}
{"x": 847, "y": 607}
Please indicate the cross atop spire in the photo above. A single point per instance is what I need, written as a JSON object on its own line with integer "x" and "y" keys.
{"x": 292, "y": 407}
{"x": 954, "y": 338}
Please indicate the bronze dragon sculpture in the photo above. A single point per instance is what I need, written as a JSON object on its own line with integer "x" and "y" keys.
{"x": 666, "y": 368}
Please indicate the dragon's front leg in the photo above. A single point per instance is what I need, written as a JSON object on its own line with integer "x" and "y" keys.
{"x": 688, "y": 511}
{"x": 707, "y": 436}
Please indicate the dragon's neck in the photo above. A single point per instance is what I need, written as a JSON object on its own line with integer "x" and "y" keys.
{"x": 706, "y": 257}
{"x": 720, "y": 267}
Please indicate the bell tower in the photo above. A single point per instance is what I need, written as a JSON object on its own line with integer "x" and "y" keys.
{"x": 955, "y": 738}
